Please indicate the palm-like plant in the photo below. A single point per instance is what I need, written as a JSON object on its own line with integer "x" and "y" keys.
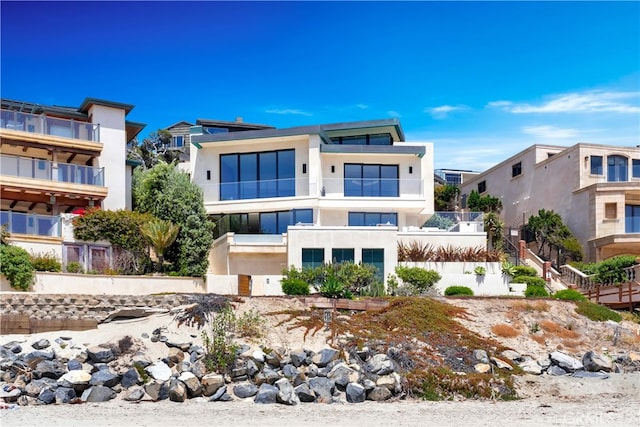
{"x": 160, "y": 234}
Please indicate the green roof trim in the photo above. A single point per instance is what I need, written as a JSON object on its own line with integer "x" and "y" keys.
{"x": 88, "y": 102}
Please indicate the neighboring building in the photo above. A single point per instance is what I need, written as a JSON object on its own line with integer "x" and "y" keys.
{"x": 56, "y": 160}
{"x": 306, "y": 195}
{"x": 594, "y": 188}
{"x": 181, "y": 132}
{"x": 455, "y": 176}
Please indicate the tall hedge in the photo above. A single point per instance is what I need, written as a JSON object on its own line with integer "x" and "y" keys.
{"x": 169, "y": 194}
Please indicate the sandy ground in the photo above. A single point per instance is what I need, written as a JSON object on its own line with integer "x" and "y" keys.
{"x": 545, "y": 400}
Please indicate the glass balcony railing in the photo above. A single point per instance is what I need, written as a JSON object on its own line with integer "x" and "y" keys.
{"x": 24, "y": 167}
{"x": 31, "y": 224}
{"x": 371, "y": 187}
{"x": 33, "y": 123}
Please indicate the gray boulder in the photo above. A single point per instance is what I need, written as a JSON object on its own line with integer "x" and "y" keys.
{"x": 64, "y": 395}
{"x": 157, "y": 390}
{"x": 104, "y": 377}
{"x": 159, "y": 371}
{"x": 380, "y": 364}
{"x": 379, "y": 394}
{"x": 556, "y": 370}
{"x": 134, "y": 395}
{"x": 177, "y": 391}
{"x": 266, "y": 394}
{"x": 481, "y": 356}
{"x": 47, "y": 396}
{"x": 218, "y": 394}
{"x": 286, "y": 393}
{"x": 13, "y": 347}
{"x": 252, "y": 368}
{"x": 342, "y": 375}
{"x": 41, "y": 344}
{"x": 594, "y": 362}
{"x": 325, "y": 356}
{"x": 130, "y": 378}
{"x": 355, "y": 393}
{"x": 182, "y": 346}
{"x": 298, "y": 358}
{"x": 289, "y": 371}
{"x": 191, "y": 382}
{"x": 273, "y": 359}
{"x": 304, "y": 393}
{"x": 211, "y": 383}
{"x": 531, "y": 367}
{"x": 74, "y": 365}
{"x": 98, "y": 393}
{"x": 511, "y": 355}
{"x": 268, "y": 376}
{"x": 100, "y": 354}
{"x": 39, "y": 354}
{"x": 245, "y": 390}
{"x": 323, "y": 388}
{"x": 566, "y": 362}
{"x": 49, "y": 369}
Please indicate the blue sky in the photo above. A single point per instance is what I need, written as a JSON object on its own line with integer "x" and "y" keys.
{"x": 480, "y": 80}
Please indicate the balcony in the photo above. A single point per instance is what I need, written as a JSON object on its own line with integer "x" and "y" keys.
{"x": 23, "y": 167}
{"x": 31, "y": 224}
{"x": 372, "y": 187}
{"x": 45, "y": 125}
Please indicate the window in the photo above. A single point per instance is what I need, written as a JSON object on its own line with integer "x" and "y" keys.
{"x": 596, "y": 165}
{"x": 361, "y": 219}
{"x": 257, "y": 175}
{"x": 632, "y": 219}
{"x": 339, "y": 255}
{"x": 617, "y": 169}
{"x": 363, "y": 180}
{"x": 312, "y": 258}
{"x": 177, "y": 141}
{"x": 375, "y": 139}
{"x": 482, "y": 187}
{"x": 635, "y": 168}
{"x": 516, "y": 170}
{"x": 277, "y": 222}
{"x": 610, "y": 211}
{"x": 375, "y": 257}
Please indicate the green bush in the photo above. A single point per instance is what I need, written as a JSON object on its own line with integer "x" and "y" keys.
{"x": 535, "y": 291}
{"x": 458, "y": 290}
{"x": 524, "y": 270}
{"x": 569, "y": 295}
{"x": 417, "y": 277}
{"x": 15, "y": 264}
{"x": 333, "y": 288}
{"x": 597, "y": 312}
{"x": 295, "y": 286}
{"x": 611, "y": 271}
{"x": 46, "y": 262}
{"x": 508, "y": 269}
{"x": 530, "y": 280}
{"x": 74, "y": 267}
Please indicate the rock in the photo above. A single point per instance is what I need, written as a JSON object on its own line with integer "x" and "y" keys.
{"x": 380, "y": 364}
{"x": 388, "y": 381}
{"x": 159, "y": 371}
{"x": 35, "y": 387}
{"x": 566, "y": 362}
{"x": 298, "y": 358}
{"x": 211, "y": 383}
{"x": 511, "y": 355}
{"x": 191, "y": 382}
{"x": 286, "y": 393}
{"x": 594, "y": 362}
{"x": 268, "y": 376}
{"x": 104, "y": 377}
{"x": 64, "y": 395}
{"x": 177, "y": 391}
{"x": 273, "y": 359}
{"x": 9, "y": 393}
{"x": 323, "y": 388}
{"x": 130, "y": 378}
{"x": 355, "y": 393}
{"x": 586, "y": 374}
{"x": 368, "y": 384}
{"x": 258, "y": 356}
{"x": 100, "y": 354}
{"x": 157, "y": 391}
{"x": 363, "y": 353}
{"x": 176, "y": 355}
{"x": 218, "y": 394}
{"x": 252, "y": 368}
{"x": 501, "y": 364}
{"x": 47, "y": 396}
{"x": 74, "y": 365}
{"x": 182, "y": 346}
{"x": 266, "y": 394}
{"x": 41, "y": 344}
{"x": 49, "y": 369}
{"x": 531, "y": 367}
{"x": 342, "y": 375}
{"x": 379, "y": 394}
{"x": 75, "y": 378}
{"x": 13, "y": 346}
{"x": 134, "y": 395}
{"x": 39, "y": 354}
{"x": 245, "y": 390}
{"x": 198, "y": 369}
{"x": 289, "y": 371}
{"x": 482, "y": 368}
{"x": 634, "y": 356}
{"x": 325, "y": 356}
{"x": 481, "y": 356}
{"x": 556, "y": 370}
{"x": 304, "y": 393}
{"x": 98, "y": 393}
{"x": 312, "y": 370}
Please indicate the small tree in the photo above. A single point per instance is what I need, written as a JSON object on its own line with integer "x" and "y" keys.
{"x": 446, "y": 197}
{"x": 15, "y": 264}
{"x": 160, "y": 234}
{"x": 494, "y": 227}
{"x": 552, "y": 234}
{"x": 487, "y": 203}
{"x": 153, "y": 149}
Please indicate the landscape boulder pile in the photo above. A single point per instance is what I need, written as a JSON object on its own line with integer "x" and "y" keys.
{"x": 66, "y": 372}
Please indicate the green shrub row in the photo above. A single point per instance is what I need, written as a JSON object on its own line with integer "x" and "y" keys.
{"x": 458, "y": 290}
{"x": 569, "y": 295}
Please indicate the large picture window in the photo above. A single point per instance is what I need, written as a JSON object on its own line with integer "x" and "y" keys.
{"x": 617, "y": 169}
{"x": 360, "y": 219}
{"x": 596, "y": 165}
{"x": 340, "y": 255}
{"x": 312, "y": 257}
{"x": 363, "y": 180}
{"x": 375, "y": 257}
{"x": 257, "y": 175}
{"x": 277, "y": 222}
{"x": 632, "y": 219}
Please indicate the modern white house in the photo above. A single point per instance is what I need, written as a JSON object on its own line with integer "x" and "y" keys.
{"x": 56, "y": 160}
{"x": 594, "y": 188}
{"x": 309, "y": 195}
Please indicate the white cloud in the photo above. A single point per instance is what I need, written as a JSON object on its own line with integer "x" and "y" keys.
{"x": 593, "y": 101}
{"x": 393, "y": 113}
{"x": 288, "y": 111}
{"x": 551, "y": 132}
{"x": 362, "y": 106}
{"x": 443, "y": 111}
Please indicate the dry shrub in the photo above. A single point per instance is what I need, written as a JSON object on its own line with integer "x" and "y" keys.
{"x": 557, "y": 330}
{"x": 539, "y": 339}
{"x": 505, "y": 331}
{"x": 538, "y": 306}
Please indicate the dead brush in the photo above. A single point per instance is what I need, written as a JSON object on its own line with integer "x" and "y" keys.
{"x": 529, "y": 307}
{"x": 554, "y": 329}
{"x": 505, "y": 331}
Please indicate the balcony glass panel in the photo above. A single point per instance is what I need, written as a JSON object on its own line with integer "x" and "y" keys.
{"x": 33, "y": 123}
{"x": 31, "y": 224}
{"x": 371, "y": 180}
{"x": 44, "y": 169}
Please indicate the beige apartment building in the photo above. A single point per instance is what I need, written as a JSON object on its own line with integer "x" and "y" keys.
{"x": 595, "y": 188}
